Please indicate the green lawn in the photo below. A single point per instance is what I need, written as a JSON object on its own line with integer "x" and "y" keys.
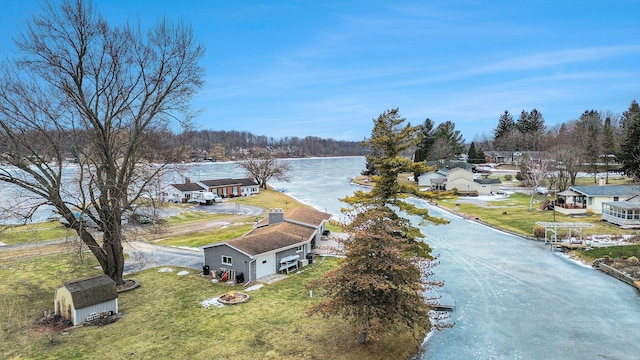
{"x": 34, "y": 232}
{"x": 625, "y": 251}
{"x": 163, "y": 319}
{"x": 513, "y": 215}
{"x": 209, "y": 237}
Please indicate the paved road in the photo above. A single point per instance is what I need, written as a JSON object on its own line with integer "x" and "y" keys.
{"x": 230, "y": 207}
{"x": 143, "y": 255}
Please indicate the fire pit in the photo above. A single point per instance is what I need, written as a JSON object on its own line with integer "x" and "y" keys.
{"x": 234, "y": 297}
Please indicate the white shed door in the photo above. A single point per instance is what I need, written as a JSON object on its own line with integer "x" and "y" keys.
{"x": 265, "y": 265}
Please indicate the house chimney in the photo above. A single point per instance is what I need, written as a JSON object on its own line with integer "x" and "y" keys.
{"x": 187, "y": 180}
{"x": 276, "y": 216}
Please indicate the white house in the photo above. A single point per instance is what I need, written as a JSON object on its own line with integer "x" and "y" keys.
{"x": 581, "y": 199}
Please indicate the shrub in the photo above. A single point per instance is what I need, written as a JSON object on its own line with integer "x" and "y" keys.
{"x": 538, "y": 231}
{"x": 508, "y": 177}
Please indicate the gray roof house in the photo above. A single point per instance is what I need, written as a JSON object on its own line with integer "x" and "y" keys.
{"x": 279, "y": 243}
{"x": 183, "y": 192}
{"x": 231, "y": 187}
{"x": 461, "y": 179}
{"x": 84, "y": 300}
{"x": 625, "y": 214}
{"x": 583, "y": 199}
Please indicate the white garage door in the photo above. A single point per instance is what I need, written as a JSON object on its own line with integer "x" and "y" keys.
{"x": 265, "y": 265}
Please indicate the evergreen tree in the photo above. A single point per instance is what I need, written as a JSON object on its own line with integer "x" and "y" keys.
{"x": 531, "y": 126}
{"x": 588, "y": 130}
{"x": 472, "y": 153}
{"x": 378, "y": 284}
{"x": 448, "y": 140}
{"x": 609, "y": 145}
{"x": 480, "y": 156}
{"x": 503, "y": 135}
{"x": 425, "y": 141}
{"x": 629, "y": 154}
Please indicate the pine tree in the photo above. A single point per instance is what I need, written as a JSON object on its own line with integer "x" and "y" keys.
{"x": 503, "y": 133}
{"x": 609, "y": 145}
{"x": 471, "y": 154}
{"x": 629, "y": 154}
{"x": 425, "y": 141}
{"x": 531, "y": 126}
{"x": 448, "y": 140}
{"x": 386, "y": 267}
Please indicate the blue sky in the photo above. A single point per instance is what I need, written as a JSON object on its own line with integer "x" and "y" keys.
{"x": 327, "y": 68}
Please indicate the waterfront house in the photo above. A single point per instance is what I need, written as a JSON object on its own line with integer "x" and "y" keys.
{"x": 231, "y": 187}
{"x": 461, "y": 179}
{"x": 181, "y": 193}
{"x": 625, "y": 214}
{"x": 583, "y": 199}
{"x": 86, "y": 300}
{"x": 280, "y": 243}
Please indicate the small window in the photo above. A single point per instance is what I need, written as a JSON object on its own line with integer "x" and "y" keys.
{"x": 615, "y": 198}
{"x": 226, "y": 260}
{"x": 264, "y": 261}
{"x": 299, "y": 248}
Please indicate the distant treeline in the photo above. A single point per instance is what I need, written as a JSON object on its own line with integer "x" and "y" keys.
{"x": 231, "y": 145}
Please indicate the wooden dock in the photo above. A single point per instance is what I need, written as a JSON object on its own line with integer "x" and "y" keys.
{"x": 564, "y": 247}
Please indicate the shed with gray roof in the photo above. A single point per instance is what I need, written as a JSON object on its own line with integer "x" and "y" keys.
{"x": 84, "y": 300}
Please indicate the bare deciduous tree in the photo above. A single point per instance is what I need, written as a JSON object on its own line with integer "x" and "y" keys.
{"x": 534, "y": 172}
{"x": 102, "y": 96}
{"x": 264, "y": 168}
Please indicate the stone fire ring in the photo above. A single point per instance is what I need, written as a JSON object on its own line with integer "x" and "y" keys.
{"x": 232, "y": 298}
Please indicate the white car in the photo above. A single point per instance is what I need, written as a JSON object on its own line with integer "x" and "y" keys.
{"x": 542, "y": 190}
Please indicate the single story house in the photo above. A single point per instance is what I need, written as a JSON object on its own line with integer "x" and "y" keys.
{"x": 249, "y": 187}
{"x": 86, "y": 300}
{"x": 461, "y": 179}
{"x": 231, "y": 187}
{"x": 625, "y": 214}
{"x": 279, "y": 243}
{"x": 583, "y": 199}
{"x": 512, "y": 157}
{"x": 183, "y": 192}
{"x": 433, "y": 179}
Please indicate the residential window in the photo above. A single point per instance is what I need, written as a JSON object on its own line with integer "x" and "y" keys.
{"x": 615, "y": 198}
{"x": 299, "y": 248}
{"x": 226, "y": 260}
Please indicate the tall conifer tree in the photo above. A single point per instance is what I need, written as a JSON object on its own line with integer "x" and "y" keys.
{"x": 379, "y": 284}
{"x": 629, "y": 154}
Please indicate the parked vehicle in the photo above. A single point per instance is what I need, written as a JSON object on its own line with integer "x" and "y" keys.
{"x": 542, "y": 190}
{"x": 84, "y": 219}
{"x": 204, "y": 198}
{"x": 139, "y": 219}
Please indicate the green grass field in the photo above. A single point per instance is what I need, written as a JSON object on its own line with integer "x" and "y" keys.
{"x": 512, "y": 214}
{"x": 164, "y": 319}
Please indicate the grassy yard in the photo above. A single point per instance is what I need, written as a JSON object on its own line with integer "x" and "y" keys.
{"x": 208, "y": 237}
{"x": 33, "y": 232}
{"x": 54, "y": 230}
{"x": 164, "y": 319}
{"x": 625, "y": 251}
{"x": 513, "y": 214}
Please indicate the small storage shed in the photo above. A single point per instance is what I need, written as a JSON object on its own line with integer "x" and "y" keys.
{"x": 85, "y": 300}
